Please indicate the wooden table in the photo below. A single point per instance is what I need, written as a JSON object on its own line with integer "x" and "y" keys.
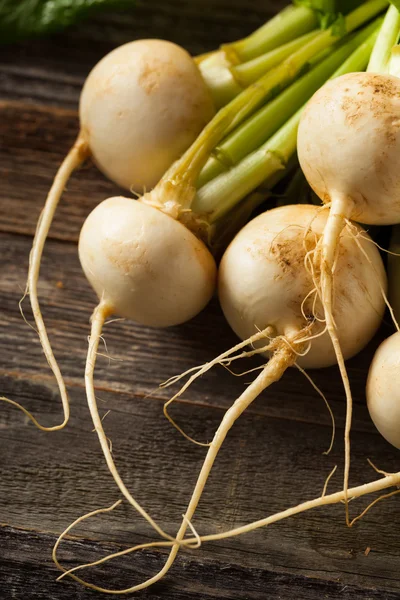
{"x": 272, "y": 458}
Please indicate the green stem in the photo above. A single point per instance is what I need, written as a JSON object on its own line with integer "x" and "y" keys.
{"x": 226, "y": 81}
{"x": 248, "y": 72}
{"x": 187, "y": 169}
{"x": 264, "y": 123}
{"x": 219, "y": 196}
{"x": 387, "y": 38}
{"x": 289, "y": 24}
{"x": 217, "y": 73}
{"x": 217, "y": 67}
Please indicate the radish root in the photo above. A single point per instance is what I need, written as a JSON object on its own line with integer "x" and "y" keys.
{"x": 323, "y": 500}
{"x": 98, "y": 318}
{"x": 75, "y": 157}
{"x": 339, "y": 211}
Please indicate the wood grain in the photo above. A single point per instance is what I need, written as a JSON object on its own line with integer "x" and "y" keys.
{"x": 272, "y": 458}
{"x": 190, "y": 578}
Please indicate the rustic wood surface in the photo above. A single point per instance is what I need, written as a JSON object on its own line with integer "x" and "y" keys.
{"x": 272, "y": 458}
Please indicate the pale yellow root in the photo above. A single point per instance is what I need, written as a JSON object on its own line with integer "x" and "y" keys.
{"x": 78, "y": 153}
{"x": 364, "y": 512}
{"x": 272, "y": 372}
{"x": 99, "y": 316}
{"x": 327, "y": 480}
{"x": 338, "y": 214}
{"x": 324, "y": 500}
{"x": 265, "y": 333}
{"x": 225, "y": 356}
{"x": 328, "y": 406}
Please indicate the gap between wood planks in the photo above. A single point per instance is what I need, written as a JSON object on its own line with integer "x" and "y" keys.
{"x": 71, "y": 383}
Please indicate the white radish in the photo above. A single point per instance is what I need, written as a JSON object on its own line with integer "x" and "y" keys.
{"x": 383, "y": 389}
{"x": 348, "y": 143}
{"x": 263, "y": 282}
{"x": 141, "y": 106}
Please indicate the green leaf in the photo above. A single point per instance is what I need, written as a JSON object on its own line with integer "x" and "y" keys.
{"x": 330, "y": 12}
{"x": 396, "y": 4}
{"x": 21, "y": 19}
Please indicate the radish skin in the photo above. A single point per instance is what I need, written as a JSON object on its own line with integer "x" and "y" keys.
{"x": 145, "y": 265}
{"x": 141, "y": 107}
{"x": 383, "y": 390}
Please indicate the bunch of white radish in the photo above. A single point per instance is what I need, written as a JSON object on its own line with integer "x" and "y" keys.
{"x": 303, "y": 284}
{"x": 140, "y": 107}
{"x": 145, "y": 260}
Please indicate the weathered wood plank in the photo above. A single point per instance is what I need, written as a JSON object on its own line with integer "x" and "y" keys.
{"x": 33, "y": 142}
{"x": 49, "y": 480}
{"x": 190, "y": 579}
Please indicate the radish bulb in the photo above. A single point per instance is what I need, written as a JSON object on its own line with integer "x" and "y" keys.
{"x": 141, "y": 106}
{"x": 263, "y": 281}
{"x": 145, "y": 265}
{"x": 348, "y": 142}
{"x": 383, "y": 396}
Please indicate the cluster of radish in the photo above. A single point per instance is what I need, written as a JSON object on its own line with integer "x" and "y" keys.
{"x": 304, "y": 284}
